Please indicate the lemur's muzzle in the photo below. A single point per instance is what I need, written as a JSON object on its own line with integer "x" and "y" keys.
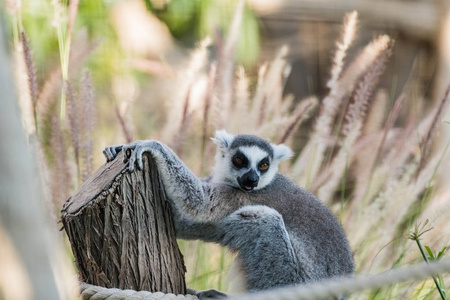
{"x": 249, "y": 180}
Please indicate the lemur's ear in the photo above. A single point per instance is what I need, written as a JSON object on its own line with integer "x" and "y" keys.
{"x": 282, "y": 152}
{"x": 223, "y": 139}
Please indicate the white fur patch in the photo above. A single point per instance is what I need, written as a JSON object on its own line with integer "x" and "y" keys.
{"x": 223, "y": 139}
{"x": 254, "y": 154}
{"x": 282, "y": 152}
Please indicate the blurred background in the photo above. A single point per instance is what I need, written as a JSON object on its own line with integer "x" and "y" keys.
{"x": 306, "y": 73}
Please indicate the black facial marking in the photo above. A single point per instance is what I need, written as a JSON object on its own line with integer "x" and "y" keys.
{"x": 239, "y": 160}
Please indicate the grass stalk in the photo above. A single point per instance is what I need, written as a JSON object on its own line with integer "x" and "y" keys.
{"x": 123, "y": 125}
{"x": 427, "y": 140}
{"x": 64, "y": 69}
{"x": 15, "y": 29}
{"x": 379, "y": 251}
{"x": 428, "y": 189}
{"x": 415, "y": 235}
{"x": 392, "y": 117}
{"x": 31, "y": 74}
{"x": 222, "y": 268}
{"x": 441, "y": 293}
{"x": 206, "y": 111}
{"x": 64, "y": 43}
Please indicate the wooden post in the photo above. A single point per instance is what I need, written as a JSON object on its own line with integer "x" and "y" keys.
{"x": 120, "y": 228}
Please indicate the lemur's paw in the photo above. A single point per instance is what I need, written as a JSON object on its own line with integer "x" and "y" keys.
{"x": 129, "y": 155}
{"x": 128, "y": 152}
{"x": 211, "y": 294}
{"x": 110, "y": 152}
{"x": 133, "y": 153}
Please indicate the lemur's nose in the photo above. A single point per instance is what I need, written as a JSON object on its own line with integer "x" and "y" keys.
{"x": 252, "y": 178}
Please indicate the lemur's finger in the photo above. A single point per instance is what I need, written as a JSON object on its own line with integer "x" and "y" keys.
{"x": 132, "y": 160}
{"x": 116, "y": 149}
{"x": 139, "y": 152}
{"x": 113, "y": 151}
{"x": 105, "y": 153}
{"x": 127, "y": 150}
{"x": 108, "y": 154}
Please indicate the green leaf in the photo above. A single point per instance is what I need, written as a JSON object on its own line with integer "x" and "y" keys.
{"x": 430, "y": 252}
{"x": 441, "y": 253}
{"x": 441, "y": 283}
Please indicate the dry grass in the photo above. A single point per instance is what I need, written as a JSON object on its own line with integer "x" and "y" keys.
{"x": 377, "y": 201}
{"x": 31, "y": 72}
{"x": 375, "y": 170}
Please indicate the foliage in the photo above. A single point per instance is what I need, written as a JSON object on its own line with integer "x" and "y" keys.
{"x": 190, "y": 20}
{"x": 415, "y": 235}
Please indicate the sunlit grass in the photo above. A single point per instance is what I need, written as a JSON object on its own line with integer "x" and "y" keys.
{"x": 207, "y": 265}
{"x": 378, "y": 177}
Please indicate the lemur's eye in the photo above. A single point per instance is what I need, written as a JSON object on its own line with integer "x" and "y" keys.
{"x": 237, "y": 160}
{"x": 264, "y": 166}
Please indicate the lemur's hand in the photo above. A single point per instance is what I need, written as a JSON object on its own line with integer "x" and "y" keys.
{"x": 110, "y": 152}
{"x": 133, "y": 152}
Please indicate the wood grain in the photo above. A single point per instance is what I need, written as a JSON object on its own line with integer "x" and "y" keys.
{"x": 120, "y": 228}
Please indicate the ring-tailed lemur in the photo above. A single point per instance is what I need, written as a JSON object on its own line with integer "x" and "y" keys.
{"x": 282, "y": 234}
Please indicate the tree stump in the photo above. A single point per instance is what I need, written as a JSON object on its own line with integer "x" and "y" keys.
{"x": 120, "y": 228}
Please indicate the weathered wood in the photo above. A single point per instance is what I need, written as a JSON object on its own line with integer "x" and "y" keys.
{"x": 121, "y": 231}
{"x": 418, "y": 19}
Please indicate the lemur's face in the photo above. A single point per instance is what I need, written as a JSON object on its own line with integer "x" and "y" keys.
{"x": 250, "y": 168}
{"x": 246, "y": 162}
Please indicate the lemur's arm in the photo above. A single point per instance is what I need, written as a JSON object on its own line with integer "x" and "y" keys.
{"x": 181, "y": 185}
{"x": 259, "y": 235}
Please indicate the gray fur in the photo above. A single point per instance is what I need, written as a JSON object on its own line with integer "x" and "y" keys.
{"x": 242, "y": 140}
{"x": 282, "y": 234}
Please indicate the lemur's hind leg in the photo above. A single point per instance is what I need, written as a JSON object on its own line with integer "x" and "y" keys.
{"x": 259, "y": 236}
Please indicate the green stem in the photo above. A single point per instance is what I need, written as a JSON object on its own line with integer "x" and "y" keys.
{"x": 222, "y": 267}
{"x": 15, "y": 30}
{"x": 63, "y": 105}
{"x": 434, "y": 279}
{"x": 64, "y": 52}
